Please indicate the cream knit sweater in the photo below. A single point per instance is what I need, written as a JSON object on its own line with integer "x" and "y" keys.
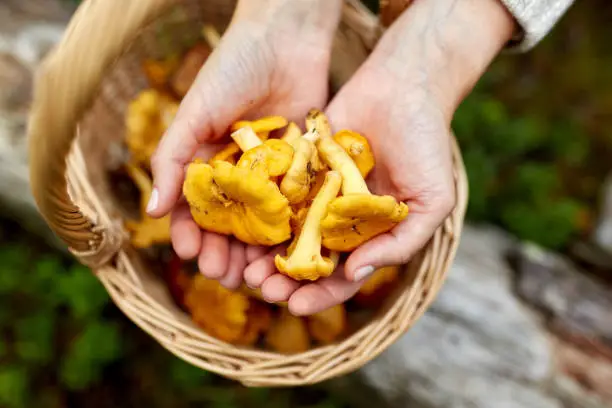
{"x": 536, "y": 18}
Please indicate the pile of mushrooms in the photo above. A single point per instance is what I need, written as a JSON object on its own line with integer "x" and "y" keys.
{"x": 308, "y": 188}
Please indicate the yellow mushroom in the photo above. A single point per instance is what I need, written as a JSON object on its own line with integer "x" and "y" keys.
{"x": 292, "y": 134}
{"x": 147, "y": 117}
{"x": 288, "y": 334}
{"x": 357, "y": 215}
{"x": 298, "y": 180}
{"x": 358, "y": 149}
{"x": 327, "y": 326}
{"x": 266, "y": 124}
{"x": 272, "y": 157}
{"x": 148, "y": 231}
{"x": 379, "y": 278}
{"x": 297, "y": 183}
{"x": 209, "y": 207}
{"x": 229, "y": 152}
{"x": 305, "y": 262}
{"x": 222, "y": 313}
{"x": 231, "y": 200}
{"x": 260, "y": 211}
{"x": 259, "y": 319}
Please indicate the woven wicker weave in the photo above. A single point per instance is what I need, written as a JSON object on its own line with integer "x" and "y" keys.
{"x": 77, "y": 122}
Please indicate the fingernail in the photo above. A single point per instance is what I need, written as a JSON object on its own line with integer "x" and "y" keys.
{"x": 363, "y": 273}
{"x": 152, "y": 205}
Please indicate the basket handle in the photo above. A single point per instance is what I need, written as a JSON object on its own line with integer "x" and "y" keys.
{"x": 66, "y": 84}
{"x": 390, "y": 10}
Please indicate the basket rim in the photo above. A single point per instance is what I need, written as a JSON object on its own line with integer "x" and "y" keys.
{"x": 249, "y": 366}
{"x": 254, "y": 367}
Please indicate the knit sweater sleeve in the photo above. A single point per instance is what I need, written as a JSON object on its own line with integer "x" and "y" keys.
{"x": 535, "y": 19}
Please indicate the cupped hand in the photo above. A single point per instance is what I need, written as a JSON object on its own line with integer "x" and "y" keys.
{"x": 272, "y": 60}
{"x": 403, "y": 99}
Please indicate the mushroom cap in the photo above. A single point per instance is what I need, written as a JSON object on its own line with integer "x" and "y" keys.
{"x": 147, "y": 117}
{"x": 288, "y": 334}
{"x": 228, "y": 154}
{"x": 207, "y": 209}
{"x": 358, "y": 148}
{"x": 326, "y": 326}
{"x": 262, "y": 125}
{"x": 273, "y": 157}
{"x": 317, "y": 267}
{"x": 259, "y": 207}
{"x": 219, "y": 311}
{"x": 149, "y": 231}
{"x": 356, "y": 218}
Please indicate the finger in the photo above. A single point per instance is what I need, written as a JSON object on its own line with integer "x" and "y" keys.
{"x": 261, "y": 269}
{"x": 237, "y": 263}
{"x": 185, "y": 234}
{"x": 215, "y": 100}
{"x": 396, "y": 247}
{"x": 323, "y": 294}
{"x": 254, "y": 252}
{"x": 278, "y": 288}
{"x": 214, "y": 257}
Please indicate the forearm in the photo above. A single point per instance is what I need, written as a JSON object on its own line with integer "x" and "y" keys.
{"x": 309, "y": 20}
{"x": 444, "y": 46}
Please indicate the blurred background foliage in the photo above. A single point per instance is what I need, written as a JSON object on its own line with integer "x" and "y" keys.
{"x": 536, "y": 140}
{"x": 535, "y": 133}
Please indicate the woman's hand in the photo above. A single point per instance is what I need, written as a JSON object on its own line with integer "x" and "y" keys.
{"x": 273, "y": 60}
{"x": 403, "y": 99}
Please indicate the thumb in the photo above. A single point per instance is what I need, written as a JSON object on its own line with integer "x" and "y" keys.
{"x": 213, "y": 103}
{"x": 397, "y": 246}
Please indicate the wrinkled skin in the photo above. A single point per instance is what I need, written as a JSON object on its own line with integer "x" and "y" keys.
{"x": 402, "y": 99}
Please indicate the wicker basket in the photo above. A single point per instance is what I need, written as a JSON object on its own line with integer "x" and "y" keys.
{"x": 77, "y": 121}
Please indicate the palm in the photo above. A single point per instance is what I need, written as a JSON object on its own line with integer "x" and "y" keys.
{"x": 411, "y": 146}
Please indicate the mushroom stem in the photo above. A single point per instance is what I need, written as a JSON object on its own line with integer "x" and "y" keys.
{"x": 143, "y": 182}
{"x": 246, "y": 138}
{"x": 306, "y": 262}
{"x": 211, "y": 35}
{"x": 296, "y": 183}
{"x": 337, "y": 159}
{"x": 292, "y": 134}
{"x": 334, "y": 155}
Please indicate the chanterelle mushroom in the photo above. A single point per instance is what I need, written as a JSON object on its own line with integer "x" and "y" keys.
{"x": 300, "y": 176}
{"x": 232, "y": 200}
{"x": 305, "y": 261}
{"x": 327, "y": 325}
{"x": 262, "y": 127}
{"x": 148, "y": 231}
{"x": 357, "y": 215}
{"x": 288, "y": 334}
{"x": 206, "y": 201}
{"x": 219, "y": 311}
{"x": 292, "y": 133}
{"x": 147, "y": 117}
{"x": 272, "y": 157}
{"x": 358, "y": 148}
